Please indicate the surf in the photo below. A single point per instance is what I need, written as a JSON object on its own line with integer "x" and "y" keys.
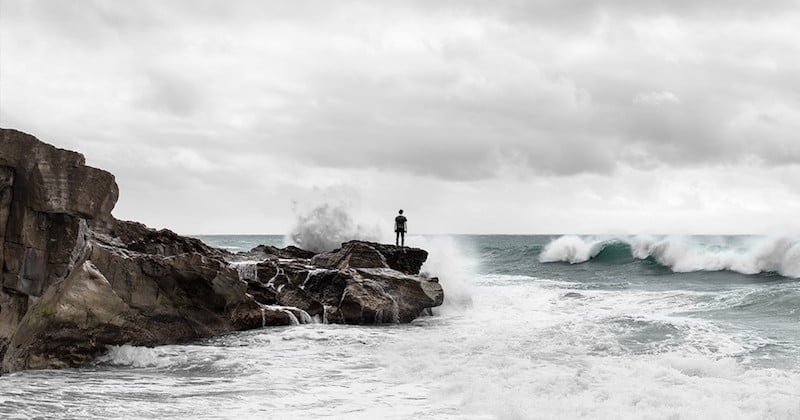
{"x": 682, "y": 254}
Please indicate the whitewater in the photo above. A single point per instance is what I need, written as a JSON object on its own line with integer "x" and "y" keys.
{"x": 533, "y": 327}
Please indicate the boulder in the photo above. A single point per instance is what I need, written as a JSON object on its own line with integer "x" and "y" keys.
{"x": 72, "y": 323}
{"x": 384, "y": 296}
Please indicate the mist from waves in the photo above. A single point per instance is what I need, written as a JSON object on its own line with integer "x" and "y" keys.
{"x": 326, "y": 226}
{"x": 683, "y": 254}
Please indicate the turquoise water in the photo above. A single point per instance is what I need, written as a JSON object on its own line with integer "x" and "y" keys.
{"x": 532, "y": 327}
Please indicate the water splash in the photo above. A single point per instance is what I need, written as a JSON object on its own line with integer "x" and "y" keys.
{"x": 326, "y": 226}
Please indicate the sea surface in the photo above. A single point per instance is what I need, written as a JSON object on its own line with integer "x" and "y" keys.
{"x": 533, "y": 327}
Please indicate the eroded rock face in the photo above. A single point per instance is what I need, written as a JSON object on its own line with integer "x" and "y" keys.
{"x": 53, "y": 199}
{"x": 75, "y": 280}
{"x": 66, "y": 265}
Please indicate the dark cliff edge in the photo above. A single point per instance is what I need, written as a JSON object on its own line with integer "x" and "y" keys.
{"x": 74, "y": 280}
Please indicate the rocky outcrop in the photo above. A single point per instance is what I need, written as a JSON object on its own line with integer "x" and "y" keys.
{"x": 76, "y": 280}
{"x": 60, "y": 244}
{"x": 355, "y": 284}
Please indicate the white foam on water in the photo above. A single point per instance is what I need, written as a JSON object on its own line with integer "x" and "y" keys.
{"x": 523, "y": 350}
{"x": 528, "y": 352}
{"x": 135, "y": 356}
{"x": 688, "y": 254}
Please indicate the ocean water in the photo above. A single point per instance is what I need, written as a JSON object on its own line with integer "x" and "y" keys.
{"x": 533, "y": 327}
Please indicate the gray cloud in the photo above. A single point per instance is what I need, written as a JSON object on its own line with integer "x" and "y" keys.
{"x": 202, "y": 94}
{"x": 171, "y": 93}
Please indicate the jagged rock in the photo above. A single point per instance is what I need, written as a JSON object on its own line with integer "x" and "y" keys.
{"x": 48, "y": 201}
{"x": 61, "y": 250}
{"x": 138, "y": 237}
{"x": 55, "y": 197}
{"x": 75, "y": 280}
{"x": 372, "y": 295}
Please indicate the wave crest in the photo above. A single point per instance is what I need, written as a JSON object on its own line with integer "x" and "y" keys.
{"x": 683, "y": 254}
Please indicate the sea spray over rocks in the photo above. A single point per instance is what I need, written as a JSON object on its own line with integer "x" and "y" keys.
{"x": 326, "y": 226}
{"x": 453, "y": 264}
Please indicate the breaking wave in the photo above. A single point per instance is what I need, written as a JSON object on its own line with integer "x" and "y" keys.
{"x": 746, "y": 255}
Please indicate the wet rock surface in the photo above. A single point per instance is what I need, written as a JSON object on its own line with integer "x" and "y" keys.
{"x": 75, "y": 280}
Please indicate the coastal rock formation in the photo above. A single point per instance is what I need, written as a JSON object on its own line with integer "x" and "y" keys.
{"x": 76, "y": 280}
{"x": 359, "y": 283}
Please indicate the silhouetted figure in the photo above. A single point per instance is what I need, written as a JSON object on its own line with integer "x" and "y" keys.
{"x": 400, "y": 229}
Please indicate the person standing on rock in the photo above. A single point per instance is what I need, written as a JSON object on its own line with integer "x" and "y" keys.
{"x": 400, "y": 229}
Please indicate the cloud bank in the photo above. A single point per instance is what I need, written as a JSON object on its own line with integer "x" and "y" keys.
{"x": 253, "y": 102}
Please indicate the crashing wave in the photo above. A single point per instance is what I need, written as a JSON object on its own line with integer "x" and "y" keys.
{"x": 326, "y": 226}
{"x": 683, "y": 254}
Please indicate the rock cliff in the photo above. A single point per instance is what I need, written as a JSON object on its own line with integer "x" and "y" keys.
{"x": 76, "y": 280}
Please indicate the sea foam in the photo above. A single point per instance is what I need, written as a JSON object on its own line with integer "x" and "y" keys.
{"x": 684, "y": 254}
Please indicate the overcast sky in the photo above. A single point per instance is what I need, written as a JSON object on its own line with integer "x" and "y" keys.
{"x": 570, "y": 116}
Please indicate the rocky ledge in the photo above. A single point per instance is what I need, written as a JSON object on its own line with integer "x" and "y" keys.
{"x": 75, "y": 280}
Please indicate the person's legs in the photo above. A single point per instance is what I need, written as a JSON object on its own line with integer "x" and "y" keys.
{"x": 402, "y": 238}
{"x": 397, "y": 238}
